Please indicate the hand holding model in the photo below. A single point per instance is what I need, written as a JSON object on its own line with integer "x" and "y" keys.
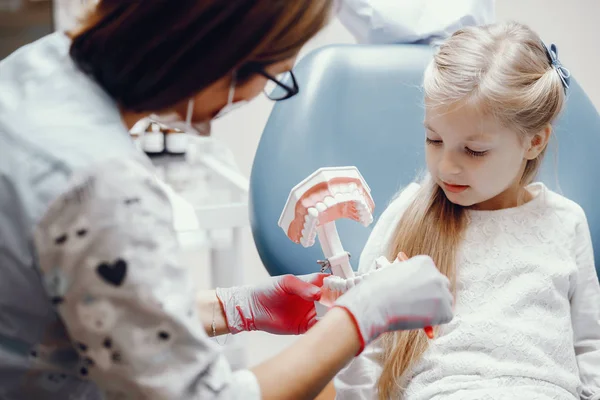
{"x": 393, "y": 297}
{"x": 413, "y": 295}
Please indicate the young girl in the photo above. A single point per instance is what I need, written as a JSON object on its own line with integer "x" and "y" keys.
{"x": 519, "y": 256}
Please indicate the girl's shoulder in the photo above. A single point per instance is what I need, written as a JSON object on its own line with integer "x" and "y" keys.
{"x": 402, "y": 199}
{"x": 558, "y": 203}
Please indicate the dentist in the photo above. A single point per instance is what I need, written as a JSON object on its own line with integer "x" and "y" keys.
{"x": 94, "y": 301}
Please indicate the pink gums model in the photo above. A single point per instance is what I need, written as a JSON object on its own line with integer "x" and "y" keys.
{"x": 317, "y": 202}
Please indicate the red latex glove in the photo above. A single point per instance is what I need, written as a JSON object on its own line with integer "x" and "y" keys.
{"x": 284, "y": 305}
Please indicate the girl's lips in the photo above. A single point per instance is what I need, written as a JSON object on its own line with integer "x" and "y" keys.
{"x": 455, "y": 188}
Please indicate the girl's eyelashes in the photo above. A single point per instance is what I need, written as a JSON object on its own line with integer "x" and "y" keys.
{"x": 475, "y": 153}
{"x": 470, "y": 152}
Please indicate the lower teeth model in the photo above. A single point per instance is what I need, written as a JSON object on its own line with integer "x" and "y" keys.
{"x": 311, "y": 210}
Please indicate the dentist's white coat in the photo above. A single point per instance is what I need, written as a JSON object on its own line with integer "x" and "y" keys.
{"x": 411, "y": 21}
{"x": 93, "y": 299}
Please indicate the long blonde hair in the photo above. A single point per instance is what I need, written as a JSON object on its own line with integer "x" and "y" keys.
{"x": 503, "y": 70}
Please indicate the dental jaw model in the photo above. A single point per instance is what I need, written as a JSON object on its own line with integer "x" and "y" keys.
{"x": 311, "y": 210}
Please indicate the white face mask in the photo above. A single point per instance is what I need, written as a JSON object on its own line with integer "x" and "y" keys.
{"x": 230, "y": 106}
{"x": 199, "y": 128}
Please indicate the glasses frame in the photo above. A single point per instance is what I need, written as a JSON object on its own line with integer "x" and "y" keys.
{"x": 290, "y": 90}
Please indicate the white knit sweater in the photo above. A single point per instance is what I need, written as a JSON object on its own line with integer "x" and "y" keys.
{"x": 527, "y": 316}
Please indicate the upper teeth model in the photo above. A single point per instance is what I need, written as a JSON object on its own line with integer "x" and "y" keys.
{"x": 314, "y": 204}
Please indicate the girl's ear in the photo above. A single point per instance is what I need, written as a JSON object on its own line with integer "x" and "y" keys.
{"x": 538, "y": 143}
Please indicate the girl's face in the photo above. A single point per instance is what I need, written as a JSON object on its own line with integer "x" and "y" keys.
{"x": 476, "y": 161}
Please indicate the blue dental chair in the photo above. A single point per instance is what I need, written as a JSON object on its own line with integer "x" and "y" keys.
{"x": 362, "y": 106}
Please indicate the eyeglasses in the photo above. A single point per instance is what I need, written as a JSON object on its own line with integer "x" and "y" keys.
{"x": 280, "y": 87}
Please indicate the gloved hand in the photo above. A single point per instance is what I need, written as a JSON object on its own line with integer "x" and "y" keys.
{"x": 335, "y": 286}
{"x": 403, "y": 295}
{"x": 284, "y": 305}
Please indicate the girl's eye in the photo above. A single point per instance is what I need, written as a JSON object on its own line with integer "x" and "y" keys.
{"x": 469, "y": 151}
{"x": 476, "y": 153}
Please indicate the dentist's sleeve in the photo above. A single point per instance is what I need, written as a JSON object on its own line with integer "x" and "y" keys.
{"x": 109, "y": 258}
{"x": 585, "y": 314}
{"x": 358, "y": 380}
{"x": 411, "y": 21}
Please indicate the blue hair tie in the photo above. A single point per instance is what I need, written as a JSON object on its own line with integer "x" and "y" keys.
{"x": 563, "y": 73}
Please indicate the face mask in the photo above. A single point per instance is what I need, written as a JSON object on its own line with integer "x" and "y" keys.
{"x": 230, "y": 106}
{"x": 200, "y": 128}
{"x": 172, "y": 120}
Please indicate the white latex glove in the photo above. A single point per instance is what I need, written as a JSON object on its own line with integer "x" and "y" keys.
{"x": 338, "y": 286}
{"x": 404, "y": 295}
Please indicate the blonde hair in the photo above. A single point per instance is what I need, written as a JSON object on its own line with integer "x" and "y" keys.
{"x": 504, "y": 71}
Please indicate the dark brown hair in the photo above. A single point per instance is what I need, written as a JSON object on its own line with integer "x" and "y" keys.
{"x": 149, "y": 55}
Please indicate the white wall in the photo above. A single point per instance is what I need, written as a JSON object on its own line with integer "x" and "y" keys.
{"x": 575, "y": 30}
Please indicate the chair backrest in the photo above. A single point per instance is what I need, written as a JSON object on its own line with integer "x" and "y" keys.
{"x": 363, "y": 106}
